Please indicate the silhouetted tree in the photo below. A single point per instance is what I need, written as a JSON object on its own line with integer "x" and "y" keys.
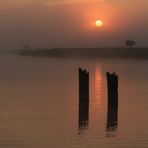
{"x": 130, "y": 43}
{"x": 26, "y": 47}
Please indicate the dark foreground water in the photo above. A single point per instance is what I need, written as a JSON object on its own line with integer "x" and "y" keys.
{"x": 39, "y": 104}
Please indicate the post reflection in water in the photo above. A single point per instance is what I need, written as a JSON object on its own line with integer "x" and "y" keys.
{"x": 83, "y": 100}
{"x": 112, "y": 120}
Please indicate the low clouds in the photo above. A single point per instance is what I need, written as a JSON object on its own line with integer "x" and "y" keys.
{"x": 59, "y": 2}
{"x": 20, "y": 2}
{"x": 44, "y": 2}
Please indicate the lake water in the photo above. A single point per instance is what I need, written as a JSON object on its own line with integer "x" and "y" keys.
{"x": 39, "y": 103}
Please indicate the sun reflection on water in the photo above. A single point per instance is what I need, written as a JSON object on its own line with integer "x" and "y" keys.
{"x": 98, "y": 84}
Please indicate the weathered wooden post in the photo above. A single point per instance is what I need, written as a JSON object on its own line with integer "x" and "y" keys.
{"x": 83, "y": 98}
{"x": 112, "y": 113}
{"x": 112, "y": 84}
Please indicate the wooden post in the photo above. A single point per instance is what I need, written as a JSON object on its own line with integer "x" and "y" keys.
{"x": 112, "y": 84}
{"x": 112, "y": 113}
{"x": 83, "y": 98}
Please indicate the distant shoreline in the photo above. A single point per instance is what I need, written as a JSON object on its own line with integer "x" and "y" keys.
{"x": 104, "y": 52}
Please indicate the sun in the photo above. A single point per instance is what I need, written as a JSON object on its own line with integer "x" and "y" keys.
{"x": 99, "y": 23}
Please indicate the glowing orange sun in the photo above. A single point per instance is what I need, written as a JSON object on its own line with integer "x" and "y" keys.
{"x": 99, "y": 23}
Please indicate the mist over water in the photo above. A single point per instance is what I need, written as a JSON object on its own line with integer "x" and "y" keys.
{"x": 39, "y": 100}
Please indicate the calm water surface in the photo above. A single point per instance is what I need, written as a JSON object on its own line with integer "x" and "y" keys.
{"x": 39, "y": 104}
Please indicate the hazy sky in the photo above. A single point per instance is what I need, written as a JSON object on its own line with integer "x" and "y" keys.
{"x": 71, "y": 23}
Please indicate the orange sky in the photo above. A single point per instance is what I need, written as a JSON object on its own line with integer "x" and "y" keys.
{"x": 71, "y": 23}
